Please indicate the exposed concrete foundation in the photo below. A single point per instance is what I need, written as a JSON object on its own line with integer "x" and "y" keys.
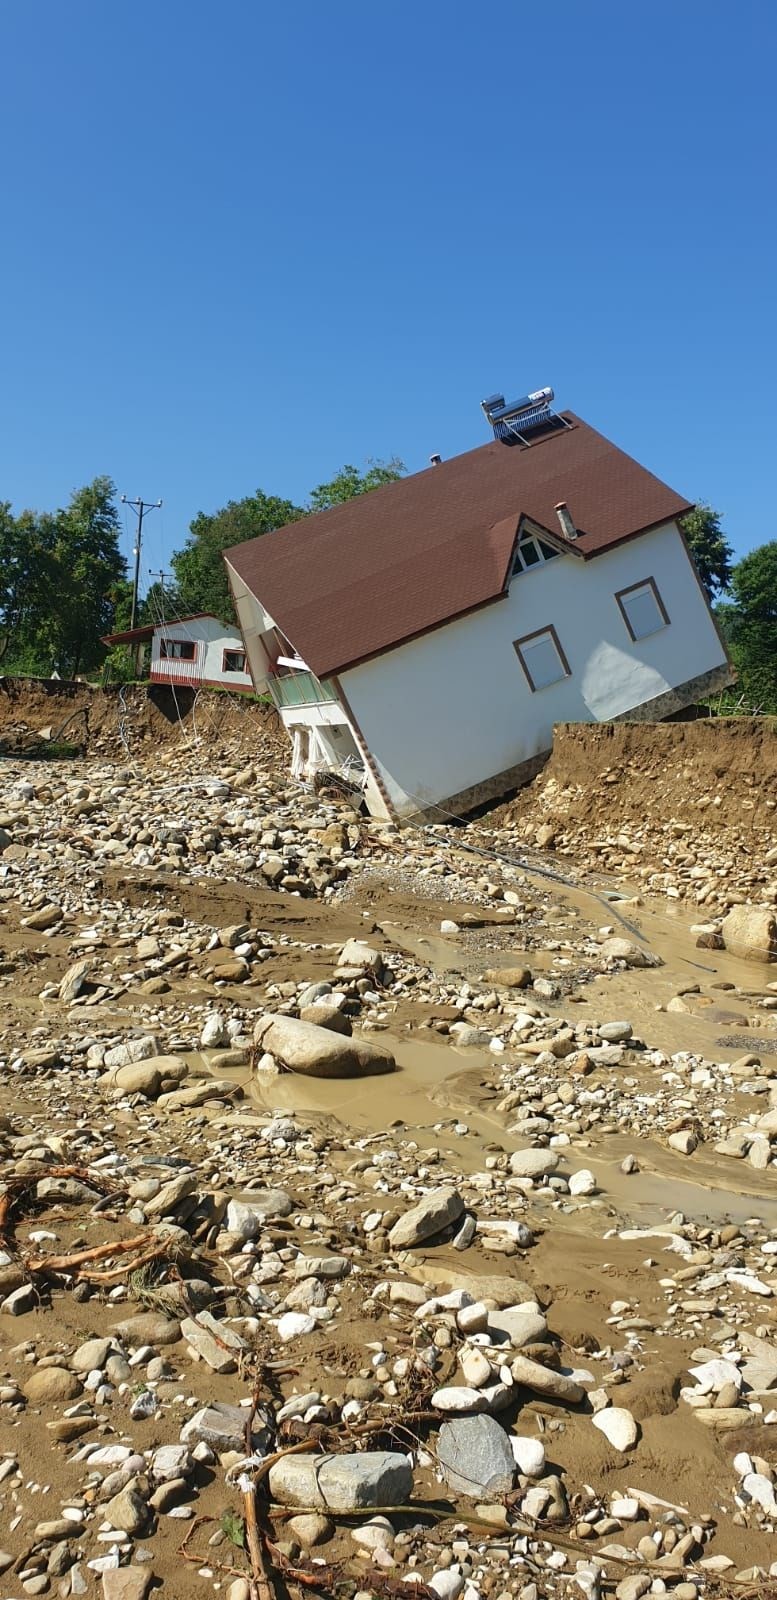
{"x": 686, "y": 694}
{"x": 457, "y": 805}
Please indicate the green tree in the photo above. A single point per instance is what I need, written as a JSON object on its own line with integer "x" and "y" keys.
{"x": 87, "y": 567}
{"x": 25, "y": 578}
{"x": 121, "y": 601}
{"x": 750, "y": 625}
{"x": 349, "y": 482}
{"x": 200, "y": 577}
{"x": 200, "y": 574}
{"x": 709, "y": 547}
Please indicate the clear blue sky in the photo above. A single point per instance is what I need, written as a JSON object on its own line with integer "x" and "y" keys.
{"x": 244, "y": 242}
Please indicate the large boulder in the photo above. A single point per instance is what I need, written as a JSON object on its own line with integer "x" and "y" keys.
{"x": 49, "y": 1384}
{"x": 498, "y": 1289}
{"x": 145, "y": 1077}
{"x": 317, "y": 1052}
{"x": 75, "y": 980}
{"x": 359, "y": 956}
{"x": 508, "y": 977}
{"x": 750, "y": 932}
{"x": 140, "y": 1049}
{"x": 533, "y": 1163}
{"x": 436, "y": 1211}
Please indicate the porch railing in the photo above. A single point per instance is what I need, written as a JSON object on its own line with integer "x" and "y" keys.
{"x": 300, "y": 689}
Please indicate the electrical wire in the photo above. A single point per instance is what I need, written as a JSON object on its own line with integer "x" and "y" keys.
{"x": 523, "y": 865}
{"x": 156, "y": 606}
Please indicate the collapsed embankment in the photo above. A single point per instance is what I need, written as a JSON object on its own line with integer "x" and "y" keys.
{"x": 689, "y": 809}
{"x": 137, "y": 719}
{"x": 721, "y": 771}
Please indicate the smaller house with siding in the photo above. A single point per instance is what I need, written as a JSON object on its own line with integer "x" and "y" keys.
{"x": 434, "y": 630}
{"x": 192, "y": 652}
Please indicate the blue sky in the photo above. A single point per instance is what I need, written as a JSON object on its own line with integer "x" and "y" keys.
{"x": 244, "y": 243}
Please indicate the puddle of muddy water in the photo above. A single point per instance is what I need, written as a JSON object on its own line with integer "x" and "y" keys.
{"x": 438, "y": 1089}
{"x": 436, "y": 951}
{"x": 435, "y": 1088}
{"x": 708, "y": 1195}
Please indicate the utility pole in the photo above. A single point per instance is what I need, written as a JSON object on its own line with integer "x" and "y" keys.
{"x": 140, "y": 507}
{"x": 161, "y": 575}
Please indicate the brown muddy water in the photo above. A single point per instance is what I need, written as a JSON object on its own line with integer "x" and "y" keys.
{"x": 446, "y": 1096}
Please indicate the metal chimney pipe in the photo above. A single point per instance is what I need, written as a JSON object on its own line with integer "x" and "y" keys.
{"x": 565, "y": 519}
{"x": 435, "y": 461}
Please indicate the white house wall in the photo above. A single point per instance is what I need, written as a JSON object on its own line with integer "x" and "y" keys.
{"x": 211, "y": 639}
{"x": 442, "y": 713}
{"x": 258, "y": 630}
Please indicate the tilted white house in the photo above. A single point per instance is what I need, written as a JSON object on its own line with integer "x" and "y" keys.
{"x": 437, "y": 628}
{"x": 191, "y": 652}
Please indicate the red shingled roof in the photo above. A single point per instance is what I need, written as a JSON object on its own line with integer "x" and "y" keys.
{"x": 358, "y": 579}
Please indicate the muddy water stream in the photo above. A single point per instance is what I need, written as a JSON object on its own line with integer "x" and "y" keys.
{"x": 446, "y": 1096}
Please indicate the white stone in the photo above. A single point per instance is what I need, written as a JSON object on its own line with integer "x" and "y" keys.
{"x": 625, "y": 1508}
{"x": 214, "y": 1032}
{"x": 761, "y": 1490}
{"x": 459, "y": 1399}
{"x": 473, "y": 1319}
{"x": 582, "y": 1182}
{"x": 293, "y": 1324}
{"x": 447, "y": 1583}
{"x": 712, "y": 1375}
{"x": 529, "y": 1455}
{"x": 475, "y": 1367}
{"x": 618, "y": 1426}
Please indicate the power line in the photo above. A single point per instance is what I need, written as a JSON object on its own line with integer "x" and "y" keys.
{"x": 140, "y": 507}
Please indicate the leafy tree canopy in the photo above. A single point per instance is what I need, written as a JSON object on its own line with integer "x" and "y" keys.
{"x": 25, "y": 551}
{"x": 710, "y": 548}
{"x": 200, "y": 575}
{"x": 349, "y": 482}
{"x": 200, "y": 578}
{"x": 88, "y": 563}
{"x": 60, "y": 572}
{"x": 750, "y": 625}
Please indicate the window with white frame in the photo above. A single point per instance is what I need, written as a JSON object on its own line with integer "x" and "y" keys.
{"x": 642, "y": 609}
{"x": 533, "y": 551}
{"x": 177, "y": 649}
{"x": 542, "y": 658}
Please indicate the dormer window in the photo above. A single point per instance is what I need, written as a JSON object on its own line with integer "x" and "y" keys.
{"x": 532, "y": 551}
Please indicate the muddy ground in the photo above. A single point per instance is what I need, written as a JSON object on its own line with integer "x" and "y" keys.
{"x": 448, "y": 1113}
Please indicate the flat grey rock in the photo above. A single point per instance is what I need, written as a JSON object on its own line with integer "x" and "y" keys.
{"x": 343, "y": 1482}
{"x": 476, "y": 1457}
{"x": 436, "y": 1211}
{"x": 223, "y": 1427}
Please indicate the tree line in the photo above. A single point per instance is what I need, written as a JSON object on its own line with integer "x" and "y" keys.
{"x": 64, "y": 582}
